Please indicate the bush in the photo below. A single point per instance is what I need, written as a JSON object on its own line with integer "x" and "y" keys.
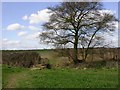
{"x": 24, "y": 59}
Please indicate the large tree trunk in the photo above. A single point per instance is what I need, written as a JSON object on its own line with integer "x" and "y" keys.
{"x": 75, "y": 59}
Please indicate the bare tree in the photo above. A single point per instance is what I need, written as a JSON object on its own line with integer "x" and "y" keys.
{"x": 84, "y": 41}
{"x": 70, "y": 22}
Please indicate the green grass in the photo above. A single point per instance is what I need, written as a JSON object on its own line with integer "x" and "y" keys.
{"x": 17, "y": 77}
{"x": 8, "y": 72}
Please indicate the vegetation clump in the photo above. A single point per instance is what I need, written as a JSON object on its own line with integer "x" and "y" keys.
{"x": 24, "y": 59}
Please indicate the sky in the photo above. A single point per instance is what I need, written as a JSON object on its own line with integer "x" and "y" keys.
{"x": 22, "y": 23}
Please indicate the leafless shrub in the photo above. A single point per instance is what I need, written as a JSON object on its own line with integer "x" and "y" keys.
{"x": 24, "y": 59}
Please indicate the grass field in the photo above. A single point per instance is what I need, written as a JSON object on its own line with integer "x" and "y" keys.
{"x": 58, "y": 77}
{"x": 16, "y": 77}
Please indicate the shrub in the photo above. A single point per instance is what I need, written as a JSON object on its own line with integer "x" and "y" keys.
{"x": 25, "y": 59}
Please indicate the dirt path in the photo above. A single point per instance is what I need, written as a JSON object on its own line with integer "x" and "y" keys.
{"x": 14, "y": 79}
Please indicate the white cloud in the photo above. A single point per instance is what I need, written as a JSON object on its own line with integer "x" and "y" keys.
{"x": 10, "y": 43}
{"x": 40, "y": 16}
{"x": 33, "y": 36}
{"x": 33, "y": 28}
{"x": 13, "y": 42}
{"x": 116, "y": 24}
{"x": 7, "y": 44}
{"x": 22, "y": 33}
{"x": 15, "y": 26}
{"x": 25, "y": 17}
{"x": 112, "y": 40}
{"x": 5, "y": 39}
{"x": 107, "y": 11}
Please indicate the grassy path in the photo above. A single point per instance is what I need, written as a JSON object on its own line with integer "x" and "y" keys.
{"x": 11, "y": 75}
{"x": 14, "y": 78}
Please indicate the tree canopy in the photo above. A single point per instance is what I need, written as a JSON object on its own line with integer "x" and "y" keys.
{"x": 77, "y": 23}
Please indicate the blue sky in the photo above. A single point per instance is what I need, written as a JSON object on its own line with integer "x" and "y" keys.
{"x": 20, "y": 26}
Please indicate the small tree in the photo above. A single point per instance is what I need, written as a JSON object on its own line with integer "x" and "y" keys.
{"x": 72, "y": 21}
